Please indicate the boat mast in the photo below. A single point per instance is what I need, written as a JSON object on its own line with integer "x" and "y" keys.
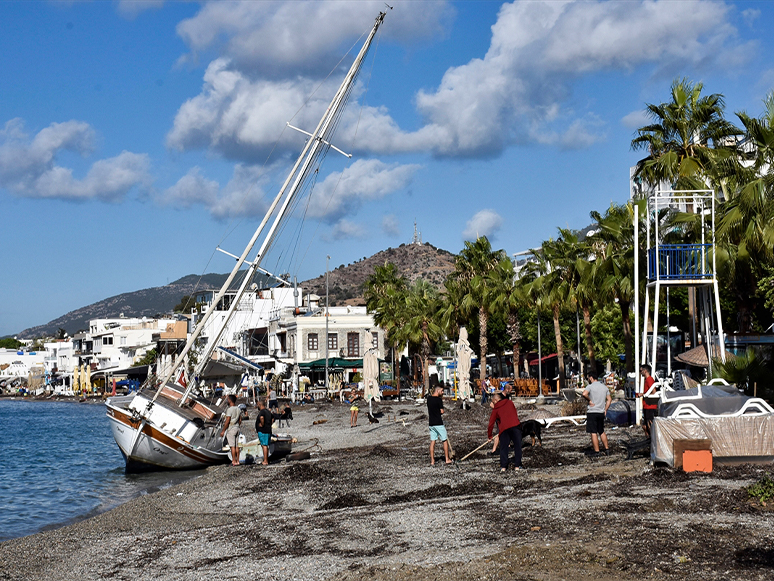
{"x": 300, "y": 170}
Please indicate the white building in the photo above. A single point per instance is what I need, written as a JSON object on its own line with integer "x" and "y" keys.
{"x": 247, "y": 332}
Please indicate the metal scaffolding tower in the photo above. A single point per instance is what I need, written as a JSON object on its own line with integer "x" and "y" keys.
{"x": 686, "y": 265}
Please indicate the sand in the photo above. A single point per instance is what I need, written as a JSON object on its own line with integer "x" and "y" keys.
{"x": 368, "y": 505}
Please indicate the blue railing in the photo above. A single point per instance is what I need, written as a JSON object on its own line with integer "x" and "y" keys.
{"x": 680, "y": 262}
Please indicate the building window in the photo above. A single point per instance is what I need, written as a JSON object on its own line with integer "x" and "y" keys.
{"x": 353, "y": 344}
{"x": 107, "y": 340}
{"x": 333, "y": 341}
{"x": 311, "y": 342}
{"x": 374, "y": 339}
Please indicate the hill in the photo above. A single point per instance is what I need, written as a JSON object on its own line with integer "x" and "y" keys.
{"x": 414, "y": 261}
{"x": 147, "y": 302}
{"x": 346, "y": 287}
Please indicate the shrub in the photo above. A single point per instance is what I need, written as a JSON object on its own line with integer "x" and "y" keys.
{"x": 763, "y": 490}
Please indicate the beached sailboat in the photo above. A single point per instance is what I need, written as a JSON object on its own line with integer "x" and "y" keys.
{"x": 172, "y": 425}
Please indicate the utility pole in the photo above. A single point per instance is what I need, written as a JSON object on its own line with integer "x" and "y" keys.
{"x": 327, "y": 316}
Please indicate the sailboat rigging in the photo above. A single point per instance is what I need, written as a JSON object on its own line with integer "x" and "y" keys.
{"x": 171, "y": 429}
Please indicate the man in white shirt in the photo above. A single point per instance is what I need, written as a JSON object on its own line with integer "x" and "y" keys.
{"x": 599, "y": 400}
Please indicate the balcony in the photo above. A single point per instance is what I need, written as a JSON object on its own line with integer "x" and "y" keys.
{"x": 680, "y": 262}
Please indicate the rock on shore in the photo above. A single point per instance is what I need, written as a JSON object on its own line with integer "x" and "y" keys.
{"x": 368, "y": 505}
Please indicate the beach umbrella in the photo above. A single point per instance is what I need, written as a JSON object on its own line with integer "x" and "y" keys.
{"x": 371, "y": 377}
{"x": 77, "y": 378}
{"x": 87, "y": 378}
{"x": 114, "y": 387}
{"x": 464, "y": 356}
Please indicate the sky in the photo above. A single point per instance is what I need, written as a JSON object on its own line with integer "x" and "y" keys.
{"x": 136, "y": 137}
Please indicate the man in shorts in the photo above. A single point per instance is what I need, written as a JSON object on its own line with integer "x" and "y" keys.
{"x": 648, "y": 409}
{"x": 599, "y": 400}
{"x": 231, "y": 428}
{"x": 263, "y": 428}
{"x": 437, "y": 429}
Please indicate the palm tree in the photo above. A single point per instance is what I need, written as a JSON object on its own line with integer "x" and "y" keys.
{"x": 385, "y": 296}
{"x": 508, "y": 296}
{"x": 615, "y": 240}
{"x": 420, "y": 323}
{"x": 472, "y": 269}
{"x": 586, "y": 291}
{"x": 688, "y": 143}
{"x": 746, "y": 224}
{"x": 555, "y": 258}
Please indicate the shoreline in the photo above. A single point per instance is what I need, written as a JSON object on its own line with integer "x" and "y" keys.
{"x": 369, "y": 505}
{"x": 61, "y": 399}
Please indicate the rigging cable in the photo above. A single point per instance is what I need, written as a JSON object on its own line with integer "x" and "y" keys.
{"x": 352, "y": 146}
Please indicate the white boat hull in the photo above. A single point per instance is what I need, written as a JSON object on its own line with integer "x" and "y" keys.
{"x": 156, "y": 449}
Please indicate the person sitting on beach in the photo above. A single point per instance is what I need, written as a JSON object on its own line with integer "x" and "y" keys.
{"x": 437, "y": 429}
{"x": 230, "y": 429}
{"x": 506, "y": 417}
{"x": 263, "y": 427}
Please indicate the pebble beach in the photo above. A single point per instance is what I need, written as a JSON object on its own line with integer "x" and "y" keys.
{"x": 368, "y": 505}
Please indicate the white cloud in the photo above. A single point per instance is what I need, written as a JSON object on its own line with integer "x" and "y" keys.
{"x": 518, "y": 92}
{"x": 342, "y": 193}
{"x": 484, "y": 223}
{"x": 243, "y": 195}
{"x": 345, "y": 230}
{"x": 390, "y": 225}
{"x": 750, "y": 15}
{"x": 285, "y": 39}
{"x": 131, "y": 8}
{"x": 28, "y": 165}
{"x": 635, "y": 119}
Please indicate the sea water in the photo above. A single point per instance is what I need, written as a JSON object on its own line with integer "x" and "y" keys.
{"x": 59, "y": 464}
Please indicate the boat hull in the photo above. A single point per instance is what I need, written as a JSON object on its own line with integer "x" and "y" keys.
{"x": 155, "y": 449}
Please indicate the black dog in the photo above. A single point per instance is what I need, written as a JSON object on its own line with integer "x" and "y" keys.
{"x": 532, "y": 429}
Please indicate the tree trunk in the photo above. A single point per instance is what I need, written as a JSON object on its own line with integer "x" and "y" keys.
{"x": 483, "y": 344}
{"x": 514, "y": 330}
{"x": 589, "y": 339}
{"x": 396, "y": 367}
{"x": 559, "y": 347}
{"x": 627, "y": 329}
{"x": 425, "y": 359}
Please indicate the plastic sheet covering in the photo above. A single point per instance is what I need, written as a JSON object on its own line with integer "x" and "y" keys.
{"x": 734, "y": 437}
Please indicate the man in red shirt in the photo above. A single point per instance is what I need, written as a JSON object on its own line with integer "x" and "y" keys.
{"x": 507, "y": 418}
{"x": 648, "y": 409}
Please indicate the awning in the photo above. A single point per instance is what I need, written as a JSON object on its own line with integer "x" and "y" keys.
{"x": 244, "y": 360}
{"x": 333, "y": 363}
{"x": 215, "y": 369}
{"x": 532, "y": 359}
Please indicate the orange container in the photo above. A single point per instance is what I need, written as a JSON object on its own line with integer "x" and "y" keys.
{"x": 697, "y": 461}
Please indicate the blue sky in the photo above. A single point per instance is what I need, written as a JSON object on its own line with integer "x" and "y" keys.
{"x": 134, "y": 136}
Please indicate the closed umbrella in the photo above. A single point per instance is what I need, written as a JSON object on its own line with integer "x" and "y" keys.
{"x": 371, "y": 377}
{"x": 87, "y": 378}
{"x": 464, "y": 356}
